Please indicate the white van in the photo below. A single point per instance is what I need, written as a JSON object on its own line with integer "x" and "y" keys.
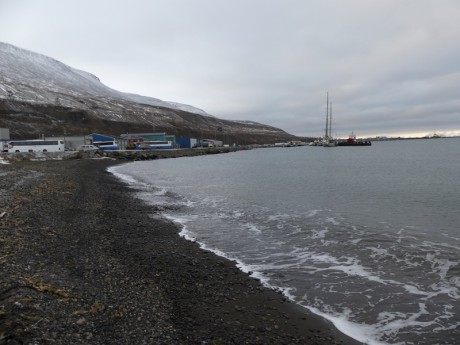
{"x": 87, "y": 148}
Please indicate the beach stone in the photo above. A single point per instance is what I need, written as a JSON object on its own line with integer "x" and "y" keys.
{"x": 81, "y": 321}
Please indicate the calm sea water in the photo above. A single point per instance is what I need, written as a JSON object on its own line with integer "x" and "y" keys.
{"x": 368, "y": 237}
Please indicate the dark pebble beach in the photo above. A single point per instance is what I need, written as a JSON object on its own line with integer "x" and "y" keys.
{"x": 82, "y": 261}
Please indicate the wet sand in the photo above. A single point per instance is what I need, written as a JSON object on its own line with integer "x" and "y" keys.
{"x": 82, "y": 261}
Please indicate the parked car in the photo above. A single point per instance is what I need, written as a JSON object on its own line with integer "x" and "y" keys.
{"x": 88, "y": 148}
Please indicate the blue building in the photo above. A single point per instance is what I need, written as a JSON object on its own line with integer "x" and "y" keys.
{"x": 105, "y": 142}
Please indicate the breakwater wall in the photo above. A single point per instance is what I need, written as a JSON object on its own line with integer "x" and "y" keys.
{"x": 129, "y": 155}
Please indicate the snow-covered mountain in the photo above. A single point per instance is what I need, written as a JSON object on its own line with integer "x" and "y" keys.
{"x": 49, "y": 96}
{"x": 38, "y": 78}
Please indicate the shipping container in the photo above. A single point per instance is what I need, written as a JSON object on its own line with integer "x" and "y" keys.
{"x": 186, "y": 143}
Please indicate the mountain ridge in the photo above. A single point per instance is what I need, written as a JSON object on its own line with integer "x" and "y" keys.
{"x": 41, "y": 95}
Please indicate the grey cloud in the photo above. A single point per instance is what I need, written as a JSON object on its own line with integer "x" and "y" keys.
{"x": 390, "y": 66}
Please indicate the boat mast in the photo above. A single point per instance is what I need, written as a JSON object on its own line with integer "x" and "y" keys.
{"x": 330, "y": 121}
{"x": 327, "y": 116}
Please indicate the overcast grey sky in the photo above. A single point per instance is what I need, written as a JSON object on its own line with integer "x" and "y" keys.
{"x": 392, "y": 67}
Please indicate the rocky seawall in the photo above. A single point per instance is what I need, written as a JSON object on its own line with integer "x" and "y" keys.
{"x": 129, "y": 155}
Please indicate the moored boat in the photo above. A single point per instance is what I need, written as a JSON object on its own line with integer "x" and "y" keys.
{"x": 352, "y": 141}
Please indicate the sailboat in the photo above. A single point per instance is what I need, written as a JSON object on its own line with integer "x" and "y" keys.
{"x": 328, "y": 141}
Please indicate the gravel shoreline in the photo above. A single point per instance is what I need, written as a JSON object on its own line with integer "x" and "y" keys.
{"x": 84, "y": 262}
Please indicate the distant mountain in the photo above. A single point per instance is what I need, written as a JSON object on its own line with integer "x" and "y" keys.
{"x": 40, "y": 95}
